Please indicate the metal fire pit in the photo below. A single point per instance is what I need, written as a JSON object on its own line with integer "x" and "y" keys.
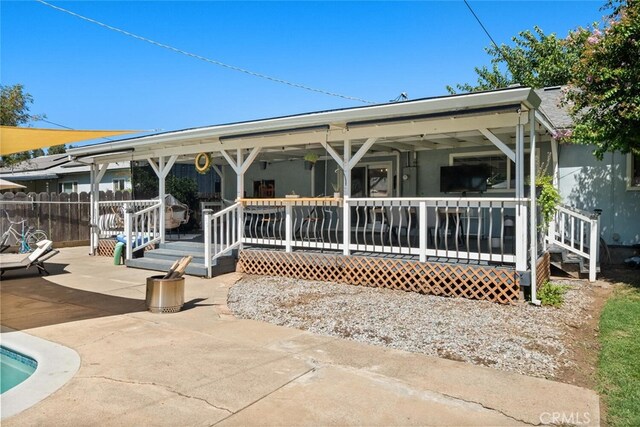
{"x": 165, "y": 295}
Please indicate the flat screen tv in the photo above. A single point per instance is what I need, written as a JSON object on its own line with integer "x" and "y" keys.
{"x": 464, "y": 178}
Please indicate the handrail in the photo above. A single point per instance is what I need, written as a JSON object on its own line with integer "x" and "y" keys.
{"x": 149, "y": 209}
{"x": 141, "y": 228}
{"x": 222, "y": 233}
{"x": 585, "y": 216}
{"x": 573, "y": 230}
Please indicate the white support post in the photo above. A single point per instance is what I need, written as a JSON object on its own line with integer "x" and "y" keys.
{"x": 288, "y": 227}
{"x": 240, "y": 194}
{"x": 128, "y": 241}
{"x": 533, "y": 211}
{"x": 162, "y": 169}
{"x": 97, "y": 173}
{"x": 346, "y": 209}
{"x": 161, "y": 194}
{"x": 423, "y": 231}
{"x": 521, "y": 218}
{"x": 206, "y": 213}
{"x": 593, "y": 246}
{"x": 93, "y": 223}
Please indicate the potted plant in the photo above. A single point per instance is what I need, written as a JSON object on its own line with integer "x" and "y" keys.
{"x": 547, "y": 195}
{"x": 310, "y": 159}
{"x": 336, "y": 190}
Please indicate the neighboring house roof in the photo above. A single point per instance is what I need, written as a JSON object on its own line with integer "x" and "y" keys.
{"x": 49, "y": 167}
{"x": 551, "y": 108}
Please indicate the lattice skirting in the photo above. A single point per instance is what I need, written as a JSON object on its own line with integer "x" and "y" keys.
{"x": 543, "y": 269}
{"x": 106, "y": 247}
{"x": 489, "y": 283}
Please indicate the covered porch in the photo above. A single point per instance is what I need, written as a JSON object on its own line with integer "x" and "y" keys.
{"x": 375, "y": 191}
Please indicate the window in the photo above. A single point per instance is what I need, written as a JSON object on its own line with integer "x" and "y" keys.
{"x": 119, "y": 184}
{"x": 503, "y": 170}
{"x": 633, "y": 171}
{"x": 68, "y": 187}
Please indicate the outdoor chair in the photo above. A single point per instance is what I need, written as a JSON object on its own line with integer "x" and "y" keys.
{"x": 4, "y": 242}
{"x": 36, "y": 259}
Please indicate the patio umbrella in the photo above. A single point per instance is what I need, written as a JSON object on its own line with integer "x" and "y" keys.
{"x": 5, "y": 185}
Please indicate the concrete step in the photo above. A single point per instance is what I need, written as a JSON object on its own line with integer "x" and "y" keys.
{"x": 171, "y": 254}
{"x": 190, "y": 247}
{"x": 224, "y": 265}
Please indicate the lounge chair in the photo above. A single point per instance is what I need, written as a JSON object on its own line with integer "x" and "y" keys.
{"x": 36, "y": 259}
{"x": 4, "y": 242}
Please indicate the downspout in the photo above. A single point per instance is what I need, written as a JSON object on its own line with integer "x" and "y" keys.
{"x": 533, "y": 214}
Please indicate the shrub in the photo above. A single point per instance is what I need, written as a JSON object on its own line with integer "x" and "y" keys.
{"x": 552, "y": 294}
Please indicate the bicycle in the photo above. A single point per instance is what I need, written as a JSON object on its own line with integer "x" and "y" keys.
{"x": 26, "y": 240}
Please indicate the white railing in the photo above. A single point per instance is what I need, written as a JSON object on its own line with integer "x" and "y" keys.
{"x": 577, "y": 232}
{"x": 480, "y": 229}
{"x": 111, "y": 214}
{"x": 141, "y": 227}
{"x": 221, "y": 233}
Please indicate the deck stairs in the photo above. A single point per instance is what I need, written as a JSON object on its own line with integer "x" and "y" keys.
{"x": 167, "y": 253}
{"x": 570, "y": 263}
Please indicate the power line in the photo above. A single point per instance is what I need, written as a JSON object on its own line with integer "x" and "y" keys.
{"x": 202, "y": 58}
{"x": 53, "y": 123}
{"x": 487, "y": 32}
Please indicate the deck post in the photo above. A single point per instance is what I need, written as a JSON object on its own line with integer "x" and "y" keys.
{"x": 533, "y": 211}
{"x": 162, "y": 170}
{"x": 207, "y": 240}
{"x": 128, "y": 241}
{"x": 521, "y": 218}
{"x": 93, "y": 223}
{"x": 97, "y": 173}
{"x": 161, "y": 193}
{"x": 288, "y": 227}
{"x": 240, "y": 193}
{"x": 346, "y": 192}
{"x": 422, "y": 226}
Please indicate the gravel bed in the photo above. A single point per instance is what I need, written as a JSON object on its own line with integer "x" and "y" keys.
{"x": 520, "y": 338}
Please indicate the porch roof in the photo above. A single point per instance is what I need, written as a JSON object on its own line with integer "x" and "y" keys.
{"x": 410, "y": 125}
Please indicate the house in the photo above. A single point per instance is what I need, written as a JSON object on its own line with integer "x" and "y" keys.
{"x": 432, "y": 195}
{"x": 610, "y": 185}
{"x": 56, "y": 173}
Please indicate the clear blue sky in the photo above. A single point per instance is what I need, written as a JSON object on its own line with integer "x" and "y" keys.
{"x": 87, "y": 77}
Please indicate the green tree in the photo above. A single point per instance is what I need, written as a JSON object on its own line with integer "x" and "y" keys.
{"x": 58, "y": 149}
{"x": 14, "y": 111}
{"x": 604, "y": 92}
{"x": 536, "y": 60}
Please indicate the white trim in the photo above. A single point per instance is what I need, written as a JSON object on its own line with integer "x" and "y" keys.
{"x": 74, "y": 185}
{"x": 629, "y": 174}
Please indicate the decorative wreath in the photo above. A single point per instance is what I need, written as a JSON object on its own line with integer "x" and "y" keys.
{"x": 203, "y": 163}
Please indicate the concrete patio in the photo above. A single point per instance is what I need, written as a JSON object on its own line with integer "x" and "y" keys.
{"x": 202, "y": 366}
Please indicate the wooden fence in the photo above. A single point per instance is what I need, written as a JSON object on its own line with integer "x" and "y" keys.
{"x": 64, "y": 217}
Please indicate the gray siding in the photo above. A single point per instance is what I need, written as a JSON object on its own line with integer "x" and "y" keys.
{"x": 587, "y": 183}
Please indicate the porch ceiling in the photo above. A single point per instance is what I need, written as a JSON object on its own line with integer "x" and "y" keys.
{"x": 428, "y": 124}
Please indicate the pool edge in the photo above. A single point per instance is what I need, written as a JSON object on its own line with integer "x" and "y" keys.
{"x": 57, "y": 364}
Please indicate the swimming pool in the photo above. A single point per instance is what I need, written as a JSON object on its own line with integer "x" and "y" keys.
{"x": 54, "y": 366}
{"x": 14, "y": 368}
